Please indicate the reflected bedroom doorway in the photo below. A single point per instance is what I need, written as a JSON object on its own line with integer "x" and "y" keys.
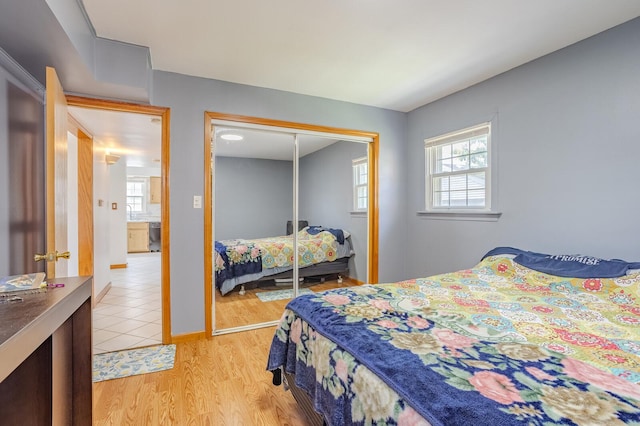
{"x": 277, "y": 158}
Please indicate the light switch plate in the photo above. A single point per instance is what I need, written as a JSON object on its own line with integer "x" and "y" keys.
{"x": 197, "y": 201}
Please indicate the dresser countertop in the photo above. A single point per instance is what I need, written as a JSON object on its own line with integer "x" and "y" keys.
{"x": 26, "y": 324}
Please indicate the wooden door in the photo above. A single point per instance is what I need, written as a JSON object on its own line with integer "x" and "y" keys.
{"x": 56, "y": 175}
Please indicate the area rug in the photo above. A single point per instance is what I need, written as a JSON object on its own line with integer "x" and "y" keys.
{"x": 131, "y": 362}
{"x": 269, "y": 296}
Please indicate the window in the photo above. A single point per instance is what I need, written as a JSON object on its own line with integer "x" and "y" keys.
{"x": 458, "y": 170}
{"x": 135, "y": 195}
{"x": 360, "y": 189}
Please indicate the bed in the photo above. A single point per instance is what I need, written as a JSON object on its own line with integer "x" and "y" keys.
{"x": 322, "y": 251}
{"x": 521, "y": 338}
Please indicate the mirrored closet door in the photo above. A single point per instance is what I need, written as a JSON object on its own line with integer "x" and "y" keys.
{"x": 276, "y": 191}
{"x": 333, "y": 247}
{"x": 253, "y": 200}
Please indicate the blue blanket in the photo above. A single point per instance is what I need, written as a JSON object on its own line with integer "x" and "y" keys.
{"x": 427, "y": 393}
{"x": 578, "y": 266}
{"x": 338, "y": 233}
{"x": 235, "y": 263}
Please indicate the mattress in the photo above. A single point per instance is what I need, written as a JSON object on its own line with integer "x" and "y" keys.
{"x": 497, "y": 344}
{"x": 241, "y": 261}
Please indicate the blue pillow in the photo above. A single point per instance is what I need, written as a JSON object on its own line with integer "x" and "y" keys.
{"x": 571, "y": 266}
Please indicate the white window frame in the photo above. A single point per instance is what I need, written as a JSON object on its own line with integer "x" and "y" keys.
{"x": 430, "y": 144}
{"x": 143, "y": 197}
{"x": 356, "y": 163}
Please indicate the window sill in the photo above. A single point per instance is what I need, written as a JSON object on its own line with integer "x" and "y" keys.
{"x": 358, "y": 213}
{"x": 461, "y": 215}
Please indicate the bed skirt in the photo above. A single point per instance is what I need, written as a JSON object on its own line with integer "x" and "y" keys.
{"x": 303, "y": 400}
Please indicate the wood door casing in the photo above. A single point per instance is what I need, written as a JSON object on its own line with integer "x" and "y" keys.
{"x": 85, "y": 197}
{"x": 165, "y": 115}
{"x": 85, "y": 203}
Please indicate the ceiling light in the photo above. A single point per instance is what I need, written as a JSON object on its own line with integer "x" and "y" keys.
{"x": 156, "y": 120}
{"x": 231, "y": 137}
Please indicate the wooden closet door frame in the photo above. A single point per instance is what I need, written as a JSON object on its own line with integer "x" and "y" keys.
{"x": 373, "y": 211}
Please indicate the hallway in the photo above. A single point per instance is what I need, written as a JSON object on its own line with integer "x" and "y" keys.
{"x": 130, "y": 314}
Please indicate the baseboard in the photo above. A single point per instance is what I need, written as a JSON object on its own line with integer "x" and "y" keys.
{"x": 353, "y": 281}
{"x": 188, "y": 337}
{"x": 98, "y": 297}
{"x": 119, "y": 266}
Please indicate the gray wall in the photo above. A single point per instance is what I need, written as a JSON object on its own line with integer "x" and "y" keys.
{"x": 326, "y": 196}
{"x": 253, "y": 198}
{"x": 568, "y": 145}
{"x": 22, "y": 161}
{"x": 188, "y": 97}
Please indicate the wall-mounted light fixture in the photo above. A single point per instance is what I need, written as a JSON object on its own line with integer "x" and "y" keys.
{"x": 111, "y": 159}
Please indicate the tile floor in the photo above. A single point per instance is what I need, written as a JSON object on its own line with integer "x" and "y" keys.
{"x": 130, "y": 314}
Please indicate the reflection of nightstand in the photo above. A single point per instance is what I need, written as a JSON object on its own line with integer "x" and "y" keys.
{"x": 137, "y": 237}
{"x": 301, "y": 225}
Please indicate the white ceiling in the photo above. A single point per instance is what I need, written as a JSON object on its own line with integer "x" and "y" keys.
{"x": 135, "y": 138}
{"x": 394, "y": 54}
{"x": 266, "y": 144}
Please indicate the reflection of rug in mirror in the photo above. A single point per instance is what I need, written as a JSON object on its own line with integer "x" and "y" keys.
{"x": 269, "y": 296}
{"x": 114, "y": 365}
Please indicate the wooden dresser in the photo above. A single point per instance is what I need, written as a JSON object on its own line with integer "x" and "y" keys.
{"x": 45, "y": 356}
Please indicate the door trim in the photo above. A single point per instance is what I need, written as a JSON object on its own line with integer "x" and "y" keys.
{"x": 85, "y": 203}
{"x": 373, "y": 212}
{"x": 164, "y": 113}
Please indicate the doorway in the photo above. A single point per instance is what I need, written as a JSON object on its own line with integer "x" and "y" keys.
{"x": 131, "y": 162}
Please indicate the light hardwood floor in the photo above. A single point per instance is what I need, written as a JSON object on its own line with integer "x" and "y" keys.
{"x": 234, "y": 310}
{"x": 220, "y": 381}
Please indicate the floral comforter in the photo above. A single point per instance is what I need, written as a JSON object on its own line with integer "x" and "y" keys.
{"x": 239, "y": 257}
{"x": 498, "y": 344}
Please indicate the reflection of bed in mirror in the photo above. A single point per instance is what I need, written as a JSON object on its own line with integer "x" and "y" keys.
{"x": 322, "y": 252}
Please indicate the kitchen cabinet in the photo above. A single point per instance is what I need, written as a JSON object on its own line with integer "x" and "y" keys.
{"x": 156, "y": 189}
{"x": 137, "y": 237}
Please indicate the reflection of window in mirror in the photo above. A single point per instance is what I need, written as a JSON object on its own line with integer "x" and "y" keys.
{"x": 135, "y": 195}
{"x": 360, "y": 184}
